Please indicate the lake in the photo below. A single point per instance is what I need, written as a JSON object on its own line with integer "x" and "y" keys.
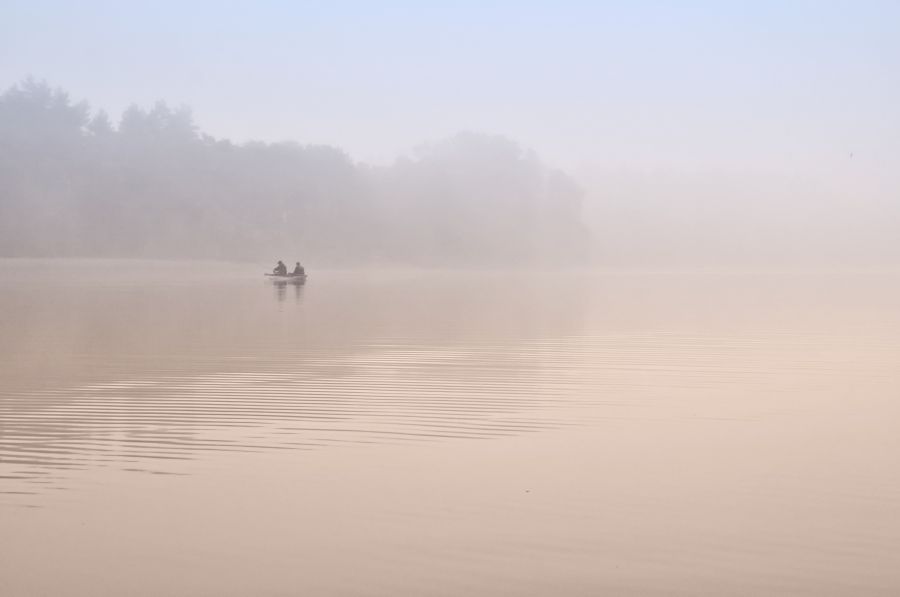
{"x": 189, "y": 429}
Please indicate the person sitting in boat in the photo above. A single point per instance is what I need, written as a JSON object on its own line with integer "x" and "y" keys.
{"x": 298, "y": 270}
{"x": 280, "y": 269}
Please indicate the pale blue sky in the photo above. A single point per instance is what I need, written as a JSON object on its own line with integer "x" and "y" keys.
{"x": 704, "y": 84}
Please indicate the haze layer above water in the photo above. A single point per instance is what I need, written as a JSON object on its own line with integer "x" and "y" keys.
{"x": 194, "y": 429}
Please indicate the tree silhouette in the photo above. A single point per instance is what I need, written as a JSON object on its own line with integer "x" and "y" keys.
{"x": 73, "y": 184}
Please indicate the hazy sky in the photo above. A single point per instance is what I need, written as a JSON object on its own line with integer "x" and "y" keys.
{"x": 687, "y": 85}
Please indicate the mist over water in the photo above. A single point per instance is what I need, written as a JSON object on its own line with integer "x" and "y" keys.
{"x": 77, "y": 183}
{"x": 153, "y": 185}
{"x": 602, "y": 298}
{"x": 438, "y": 433}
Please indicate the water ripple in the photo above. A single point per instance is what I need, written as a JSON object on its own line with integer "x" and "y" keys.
{"x": 388, "y": 392}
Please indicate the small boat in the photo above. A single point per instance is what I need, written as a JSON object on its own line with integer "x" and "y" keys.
{"x": 295, "y": 278}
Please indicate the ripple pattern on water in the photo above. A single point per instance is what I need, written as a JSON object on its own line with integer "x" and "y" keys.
{"x": 385, "y": 393}
{"x": 289, "y": 401}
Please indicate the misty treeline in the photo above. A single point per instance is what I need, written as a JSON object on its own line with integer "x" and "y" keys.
{"x": 75, "y": 183}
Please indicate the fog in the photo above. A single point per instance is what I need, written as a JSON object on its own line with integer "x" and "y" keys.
{"x": 151, "y": 185}
{"x": 77, "y": 182}
{"x": 600, "y": 134}
{"x": 601, "y": 298}
{"x": 744, "y": 219}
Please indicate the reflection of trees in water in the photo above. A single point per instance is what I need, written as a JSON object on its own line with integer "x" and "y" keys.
{"x": 84, "y": 312}
{"x": 74, "y": 183}
{"x": 141, "y": 371}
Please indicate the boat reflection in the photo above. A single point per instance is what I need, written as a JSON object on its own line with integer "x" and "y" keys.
{"x": 281, "y": 287}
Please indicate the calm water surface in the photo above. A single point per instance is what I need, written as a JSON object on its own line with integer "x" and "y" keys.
{"x": 193, "y": 429}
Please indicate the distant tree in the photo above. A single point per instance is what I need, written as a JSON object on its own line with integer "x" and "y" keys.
{"x": 133, "y": 122}
{"x": 34, "y": 107}
{"x": 100, "y": 125}
{"x": 74, "y": 184}
{"x": 477, "y": 197}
